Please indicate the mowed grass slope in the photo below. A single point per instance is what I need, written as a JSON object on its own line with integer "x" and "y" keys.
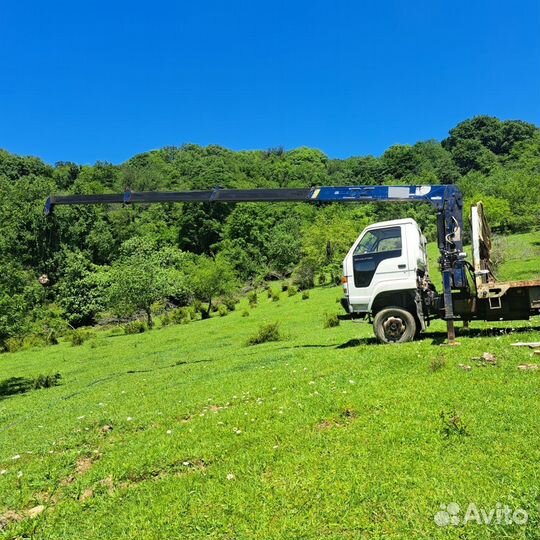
{"x": 324, "y": 434}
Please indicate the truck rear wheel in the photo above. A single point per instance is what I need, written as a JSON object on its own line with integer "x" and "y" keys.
{"x": 394, "y": 325}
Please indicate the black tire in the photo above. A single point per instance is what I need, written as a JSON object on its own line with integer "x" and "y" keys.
{"x": 394, "y": 325}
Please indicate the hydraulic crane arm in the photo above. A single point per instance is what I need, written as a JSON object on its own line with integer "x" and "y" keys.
{"x": 446, "y": 199}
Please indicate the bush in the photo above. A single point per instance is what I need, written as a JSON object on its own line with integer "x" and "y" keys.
{"x": 46, "y": 381}
{"x": 275, "y": 296}
{"x": 284, "y": 287}
{"x": 292, "y": 291}
{"x": 267, "y": 332}
{"x": 13, "y": 344}
{"x": 223, "y": 311}
{"x": 35, "y": 340}
{"x": 305, "y": 295}
{"x": 269, "y": 292}
{"x": 230, "y": 302}
{"x": 181, "y": 315}
{"x": 331, "y": 320}
{"x": 252, "y": 299}
{"x": 304, "y": 276}
{"x": 78, "y": 337}
{"x": 166, "y": 320}
{"x": 135, "y": 327}
{"x": 245, "y": 313}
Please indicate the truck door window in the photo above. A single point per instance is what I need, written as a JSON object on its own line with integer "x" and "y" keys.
{"x": 374, "y": 247}
{"x": 380, "y": 240}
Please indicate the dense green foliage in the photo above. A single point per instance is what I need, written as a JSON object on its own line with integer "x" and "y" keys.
{"x": 97, "y": 260}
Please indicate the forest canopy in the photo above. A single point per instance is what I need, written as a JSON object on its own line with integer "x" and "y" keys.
{"x": 91, "y": 259}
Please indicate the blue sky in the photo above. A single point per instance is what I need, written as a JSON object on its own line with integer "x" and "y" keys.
{"x": 87, "y": 81}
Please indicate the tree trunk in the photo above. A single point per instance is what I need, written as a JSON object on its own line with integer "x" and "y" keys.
{"x": 149, "y": 318}
{"x": 206, "y": 314}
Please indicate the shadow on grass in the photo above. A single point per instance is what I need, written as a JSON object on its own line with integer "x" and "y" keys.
{"x": 439, "y": 337}
{"x": 15, "y": 385}
{"x": 348, "y": 344}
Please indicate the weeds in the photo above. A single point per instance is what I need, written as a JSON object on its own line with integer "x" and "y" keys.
{"x": 437, "y": 364}
{"x": 78, "y": 337}
{"x": 252, "y": 299}
{"x": 267, "y": 332}
{"x": 292, "y": 290}
{"x": 452, "y": 424}
{"x": 330, "y": 320}
{"x": 46, "y": 381}
{"x": 135, "y": 327}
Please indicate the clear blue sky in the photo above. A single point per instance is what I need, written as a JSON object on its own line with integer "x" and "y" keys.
{"x": 96, "y": 80}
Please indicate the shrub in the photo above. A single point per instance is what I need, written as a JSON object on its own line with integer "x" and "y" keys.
{"x": 34, "y": 340}
{"x": 222, "y": 310}
{"x": 46, "y": 381}
{"x": 304, "y": 276}
{"x": 245, "y": 313}
{"x": 180, "y": 315}
{"x": 166, "y": 320}
{"x": 252, "y": 299}
{"x": 275, "y": 296}
{"x": 284, "y": 287}
{"x": 331, "y": 320}
{"x": 305, "y": 295}
{"x": 292, "y": 291}
{"x": 230, "y": 302}
{"x": 13, "y": 344}
{"x": 135, "y": 327}
{"x": 269, "y": 292}
{"x": 78, "y": 337}
{"x": 267, "y": 332}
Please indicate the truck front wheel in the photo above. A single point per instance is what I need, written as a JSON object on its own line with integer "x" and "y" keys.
{"x": 394, "y": 325}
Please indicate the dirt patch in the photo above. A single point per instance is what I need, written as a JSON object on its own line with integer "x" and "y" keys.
{"x": 9, "y": 517}
{"x": 214, "y": 408}
{"x": 345, "y": 417}
{"x": 86, "y": 494}
{"x": 83, "y": 465}
{"x": 328, "y": 424}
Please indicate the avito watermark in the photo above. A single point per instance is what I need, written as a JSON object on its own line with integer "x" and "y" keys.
{"x": 502, "y": 514}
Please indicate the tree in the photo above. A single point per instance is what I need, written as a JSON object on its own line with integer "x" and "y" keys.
{"x": 211, "y": 278}
{"x": 137, "y": 282}
{"x": 81, "y": 289}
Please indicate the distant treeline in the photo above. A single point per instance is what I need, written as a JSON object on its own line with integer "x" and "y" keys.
{"x": 121, "y": 261}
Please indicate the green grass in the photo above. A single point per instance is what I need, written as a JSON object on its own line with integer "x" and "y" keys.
{"x": 323, "y": 434}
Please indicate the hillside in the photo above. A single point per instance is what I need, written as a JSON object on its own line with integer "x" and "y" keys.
{"x": 186, "y": 432}
{"x": 69, "y": 270}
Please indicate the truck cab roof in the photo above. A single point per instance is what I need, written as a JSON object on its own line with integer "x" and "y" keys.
{"x": 392, "y": 222}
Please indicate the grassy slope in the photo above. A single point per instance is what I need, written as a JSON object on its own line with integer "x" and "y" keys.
{"x": 327, "y": 434}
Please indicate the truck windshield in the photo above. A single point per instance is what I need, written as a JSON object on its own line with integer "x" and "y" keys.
{"x": 380, "y": 240}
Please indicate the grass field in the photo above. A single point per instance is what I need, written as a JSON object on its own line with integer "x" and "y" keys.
{"x": 186, "y": 432}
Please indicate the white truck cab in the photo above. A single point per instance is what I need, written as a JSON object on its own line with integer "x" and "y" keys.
{"x": 386, "y": 271}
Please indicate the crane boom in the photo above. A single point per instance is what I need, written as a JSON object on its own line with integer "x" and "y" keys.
{"x": 446, "y": 199}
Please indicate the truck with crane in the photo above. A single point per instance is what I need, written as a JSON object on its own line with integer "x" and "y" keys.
{"x": 385, "y": 273}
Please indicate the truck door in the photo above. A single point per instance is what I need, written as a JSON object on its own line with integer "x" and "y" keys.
{"x": 380, "y": 255}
